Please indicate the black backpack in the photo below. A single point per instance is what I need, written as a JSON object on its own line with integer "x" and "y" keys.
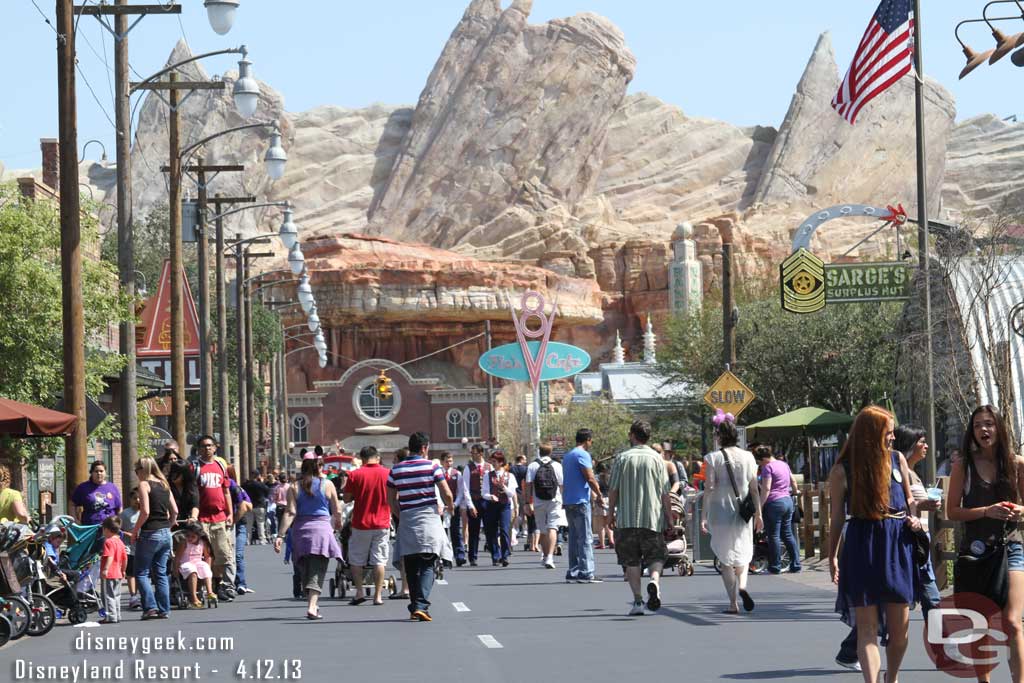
{"x": 545, "y": 481}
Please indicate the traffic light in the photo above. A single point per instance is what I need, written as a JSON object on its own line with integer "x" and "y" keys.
{"x": 383, "y": 382}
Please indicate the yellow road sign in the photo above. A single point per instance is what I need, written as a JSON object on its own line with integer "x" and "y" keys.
{"x": 729, "y": 393}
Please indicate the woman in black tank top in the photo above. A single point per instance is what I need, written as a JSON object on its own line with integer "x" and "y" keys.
{"x": 152, "y": 535}
{"x": 985, "y": 492}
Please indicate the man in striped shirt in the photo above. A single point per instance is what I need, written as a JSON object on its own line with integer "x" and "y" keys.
{"x": 421, "y": 537}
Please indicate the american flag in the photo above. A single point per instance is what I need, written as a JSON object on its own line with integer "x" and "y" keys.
{"x": 884, "y": 56}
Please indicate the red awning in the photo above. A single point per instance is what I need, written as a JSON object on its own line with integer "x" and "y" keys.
{"x": 23, "y": 420}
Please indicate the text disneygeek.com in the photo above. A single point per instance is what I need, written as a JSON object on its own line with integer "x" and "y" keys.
{"x": 101, "y": 666}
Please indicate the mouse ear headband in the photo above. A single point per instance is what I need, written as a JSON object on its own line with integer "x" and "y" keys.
{"x": 720, "y": 416}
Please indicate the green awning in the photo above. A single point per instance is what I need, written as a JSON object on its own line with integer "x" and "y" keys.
{"x": 803, "y": 421}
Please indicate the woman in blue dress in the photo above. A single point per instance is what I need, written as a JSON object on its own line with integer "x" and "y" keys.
{"x": 875, "y": 570}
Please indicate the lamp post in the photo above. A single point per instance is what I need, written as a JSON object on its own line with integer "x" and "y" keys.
{"x": 242, "y": 100}
{"x": 1004, "y": 44}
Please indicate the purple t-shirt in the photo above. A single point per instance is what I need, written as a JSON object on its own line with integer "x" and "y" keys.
{"x": 97, "y": 502}
{"x": 780, "y": 475}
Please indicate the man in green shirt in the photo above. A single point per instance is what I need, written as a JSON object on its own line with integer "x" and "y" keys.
{"x": 639, "y": 512}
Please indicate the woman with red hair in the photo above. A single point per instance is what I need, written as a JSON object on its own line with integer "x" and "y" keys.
{"x": 875, "y": 571}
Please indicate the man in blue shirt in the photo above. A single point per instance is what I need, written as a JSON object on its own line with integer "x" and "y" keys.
{"x": 579, "y": 485}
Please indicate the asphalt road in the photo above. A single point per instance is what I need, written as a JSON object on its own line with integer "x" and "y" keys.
{"x": 514, "y": 624}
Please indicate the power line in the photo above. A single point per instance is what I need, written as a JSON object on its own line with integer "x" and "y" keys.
{"x": 45, "y": 18}
{"x": 94, "y": 97}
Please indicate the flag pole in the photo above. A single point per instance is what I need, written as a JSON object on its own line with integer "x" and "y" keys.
{"x": 922, "y": 240}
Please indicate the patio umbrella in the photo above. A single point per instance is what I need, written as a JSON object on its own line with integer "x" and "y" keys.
{"x": 24, "y": 420}
{"x": 807, "y": 421}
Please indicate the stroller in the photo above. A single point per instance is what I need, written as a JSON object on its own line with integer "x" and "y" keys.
{"x": 678, "y": 556}
{"x": 70, "y": 585}
{"x": 23, "y": 613}
{"x": 339, "y": 585}
{"x": 179, "y": 589}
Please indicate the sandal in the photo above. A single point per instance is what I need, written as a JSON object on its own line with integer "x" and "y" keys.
{"x": 314, "y": 617}
{"x": 357, "y": 601}
{"x": 730, "y": 611}
{"x": 398, "y": 596}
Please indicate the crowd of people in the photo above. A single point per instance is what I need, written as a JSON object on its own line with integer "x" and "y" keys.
{"x": 423, "y": 514}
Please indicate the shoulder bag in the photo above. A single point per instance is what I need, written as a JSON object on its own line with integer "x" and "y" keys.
{"x": 985, "y": 574}
{"x": 744, "y": 506}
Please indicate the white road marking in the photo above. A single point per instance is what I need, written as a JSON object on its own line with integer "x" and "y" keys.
{"x": 460, "y": 607}
{"x": 442, "y": 582}
{"x": 489, "y": 641}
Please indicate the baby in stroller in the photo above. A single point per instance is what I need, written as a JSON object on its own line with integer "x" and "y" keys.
{"x": 193, "y": 560}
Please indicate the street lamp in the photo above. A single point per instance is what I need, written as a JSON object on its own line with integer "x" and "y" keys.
{"x": 246, "y": 90}
{"x": 313, "y": 321}
{"x": 275, "y": 158}
{"x": 1004, "y": 44}
{"x": 976, "y": 59}
{"x": 221, "y": 14}
{"x": 305, "y": 293}
{"x": 296, "y": 261}
{"x": 289, "y": 232}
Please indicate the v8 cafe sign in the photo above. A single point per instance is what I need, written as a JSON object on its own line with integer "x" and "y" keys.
{"x": 560, "y": 361}
{"x": 729, "y": 394}
{"x": 153, "y": 335}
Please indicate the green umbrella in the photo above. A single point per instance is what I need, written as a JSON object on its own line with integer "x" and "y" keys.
{"x": 807, "y": 421}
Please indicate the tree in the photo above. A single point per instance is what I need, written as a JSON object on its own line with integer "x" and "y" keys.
{"x": 31, "y": 334}
{"x": 840, "y": 358}
{"x": 610, "y": 422}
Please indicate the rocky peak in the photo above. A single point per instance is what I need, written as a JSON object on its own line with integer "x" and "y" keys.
{"x": 525, "y": 111}
{"x": 819, "y": 159}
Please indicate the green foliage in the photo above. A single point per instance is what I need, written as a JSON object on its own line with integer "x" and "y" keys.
{"x": 609, "y": 421}
{"x": 151, "y": 248}
{"x": 31, "y": 334}
{"x": 839, "y": 358}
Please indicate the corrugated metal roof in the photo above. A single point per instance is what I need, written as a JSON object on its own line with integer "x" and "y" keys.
{"x": 986, "y": 290}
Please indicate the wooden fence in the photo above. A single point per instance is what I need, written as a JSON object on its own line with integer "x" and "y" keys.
{"x": 814, "y": 529}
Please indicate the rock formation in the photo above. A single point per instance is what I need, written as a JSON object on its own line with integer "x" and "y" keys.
{"x": 510, "y": 125}
{"x": 820, "y": 160}
{"x": 983, "y": 169}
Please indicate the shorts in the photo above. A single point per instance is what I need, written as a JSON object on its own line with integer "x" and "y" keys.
{"x": 130, "y": 569}
{"x": 636, "y": 547}
{"x": 312, "y": 571}
{"x": 1014, "y": 556}
{"x": 548, "y": 514}
{"x": 369, "y": 547}
{"x": 222, "y": 544}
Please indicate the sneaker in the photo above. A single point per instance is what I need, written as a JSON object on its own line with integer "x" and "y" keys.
{"x": 653, "y": 597}
{"x": 421, "y": 615}
{"x": 548, "y": 562}
{"x": 637, "y": 610}
{"x": 592, "y": 579}
{"x": 134, "y": 603}
{"x": 852, "y": 666}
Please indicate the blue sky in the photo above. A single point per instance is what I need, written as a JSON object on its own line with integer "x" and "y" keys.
{"x": 736, "y": 61}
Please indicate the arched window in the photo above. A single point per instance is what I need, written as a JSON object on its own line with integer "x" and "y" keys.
{"x": 456, "y": 424}
{"x": 473, "y": 423}
{"x": 300, "y": 428}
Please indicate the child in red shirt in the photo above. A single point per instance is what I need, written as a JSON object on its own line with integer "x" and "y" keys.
{"x": 113, "y": 563}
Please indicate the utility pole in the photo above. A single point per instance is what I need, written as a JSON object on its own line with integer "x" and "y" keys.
{"x": 125, "y": 238}
{"x": 492, "y": 429}
{"x": 70, "y": 248}
{"x": 250, "y": 400}
{"x": 223, "y": 395}
{"x": 728, "y": 314}
{"x": 178, "y": 430}
{"x": 205, "y": 364}
{"x": 243, "y": 410}
{"x": 922, "y": 241}
{"x": 275, "y": 404}
{"x": 285, "y": 431}
{"x": 125, "y": 248}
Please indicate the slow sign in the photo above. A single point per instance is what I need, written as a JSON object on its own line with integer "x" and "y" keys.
{"x": 729, "y": 393}
{"x": 560, "y": 361}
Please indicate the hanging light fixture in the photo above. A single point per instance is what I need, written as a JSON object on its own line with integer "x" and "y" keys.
{"x": 289, "y": 232}
{"x": 221, "y": 14}
{"x": 246, "y": 90}
{"x": 275, "y": 158}
{"x": 296, "y": 261}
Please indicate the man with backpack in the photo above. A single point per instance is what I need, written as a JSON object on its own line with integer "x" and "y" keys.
{"x": 544, "y": 498}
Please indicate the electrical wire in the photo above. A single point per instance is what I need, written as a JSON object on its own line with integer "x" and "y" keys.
{"x": 45, "y": 18}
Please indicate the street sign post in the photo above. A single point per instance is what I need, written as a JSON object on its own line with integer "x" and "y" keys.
{"x": 729, "y": 394}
